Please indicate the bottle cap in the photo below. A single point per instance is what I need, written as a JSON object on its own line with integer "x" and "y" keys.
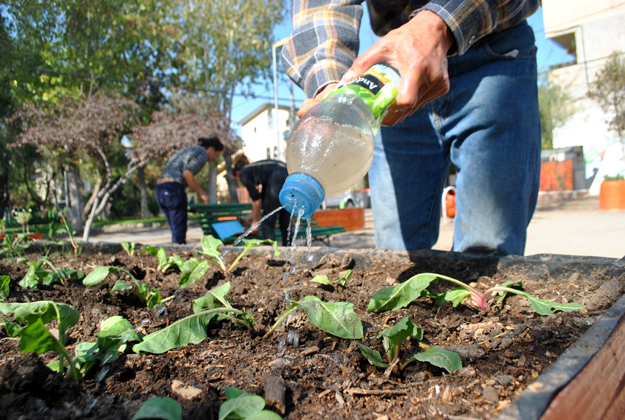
{"x": 301, "y": 191}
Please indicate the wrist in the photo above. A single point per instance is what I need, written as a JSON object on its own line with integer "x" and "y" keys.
{"x": 436, "y": 26}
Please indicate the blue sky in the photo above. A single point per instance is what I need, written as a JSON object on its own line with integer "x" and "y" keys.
{"x": 549, "y": 54}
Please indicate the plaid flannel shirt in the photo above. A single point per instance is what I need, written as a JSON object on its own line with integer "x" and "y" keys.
{"x": 324, "y": 42}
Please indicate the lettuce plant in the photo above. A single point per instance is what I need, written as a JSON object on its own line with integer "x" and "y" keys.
{"x": 151, "y": 296}
{"x": 341, "y": 281}
{"x": 211, "y": 245}
{"x": 129, "y": 248}
{"x": 37, "y": 275}
{"x": 395, "y": 297}
{"x": 392, "y": 340}
{"x": 241, "y": 405}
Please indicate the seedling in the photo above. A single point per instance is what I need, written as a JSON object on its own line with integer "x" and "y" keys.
{"x": 35, "y": 337}
{"x": 51, "y": 232}
{"x": 150, "y": 296}
{"x": 337, "y": 318}
{"x": 14, "y": 245}
{"x": 71, "y": 233}
{"x": 129, "y": 248}
{"x": 341, "y": 281}
{"x": 392, "y": 340}
{"x": 23, "y": 217}
{"x": 211, "y": 245}
{"x": 392, "y": 298}
{"x": 4, "y": 287}
{"x": 36, "y": 274}
{"x": 192, "y": 270}
{"x": 159, "y": 408}
{"x": 241, "y": 405}
{"x": 192, "y": 330}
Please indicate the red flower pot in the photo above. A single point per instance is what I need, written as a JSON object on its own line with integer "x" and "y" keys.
{"x": 612, "y": 195}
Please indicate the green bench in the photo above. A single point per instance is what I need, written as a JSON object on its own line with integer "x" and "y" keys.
{"x": 214, "y": 213}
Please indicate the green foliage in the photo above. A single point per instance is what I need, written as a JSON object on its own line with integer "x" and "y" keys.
{"x": 52, "y": 230}
{"x": 337, "y": 318}
{"x": 151, "y": 296}
{"x": 192, "y": 329}
{"x": 37, "y": 275}
{"x": 401, "y": 295}
{"x": 555, "y": 104}
{"x": 129, "y": 248}
{"x": 341, "y": 281}
{"x": 608, "y": 89}
{"x": 211, "y": 245}
{"x": 614, "y": 178}
{"x": 241, "y": 405}
{"x": 159, "y": 408}
{"x": 35, "y": 337}
{"x": 4, "y": 287}
{"x": 392, "y": 340}
{"x": 14, "y": 245}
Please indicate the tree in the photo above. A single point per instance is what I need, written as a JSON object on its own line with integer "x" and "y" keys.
{"x": 608, "y": 89}
{"x": 555, "y": 109}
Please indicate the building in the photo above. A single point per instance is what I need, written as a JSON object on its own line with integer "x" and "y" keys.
{"x": 261, "y": 140}
{"x": 590, "y": 31}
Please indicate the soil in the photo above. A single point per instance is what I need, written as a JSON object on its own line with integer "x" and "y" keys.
{"x": 502, "y": 351}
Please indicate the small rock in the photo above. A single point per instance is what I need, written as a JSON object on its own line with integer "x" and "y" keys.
{"x": 491, "y": 394}
{"x": 504, "y": 379}
{"x": 447, "y": 395}
{"x": 186, "y": 392}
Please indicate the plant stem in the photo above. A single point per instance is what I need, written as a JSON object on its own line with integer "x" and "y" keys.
{"x": 457, "y": 282}
{"x": 279, "y": 321}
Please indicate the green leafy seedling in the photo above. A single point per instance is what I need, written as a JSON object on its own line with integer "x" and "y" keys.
{"x": 159, "y": 408}
{"x": 37, "y": 275}
{"x": 129, "y": 248}
{"x": 51, "y": 231}
{"x": 341, "y": 281}
{"x": 392, "y": 340}
{"x": 192, "y": 329}
{"x": 4, "y": 287}
{"x": 35, "y": 337}
{"x": 338, "y": 319}
{"x": 211, "y": 245}
{"x": 165, "y": 263}
{"x": 14, "y": 245}
{"x": 151, "y": 296}
{"x": 400, "y": 296}
{"x": 241, "y": 405}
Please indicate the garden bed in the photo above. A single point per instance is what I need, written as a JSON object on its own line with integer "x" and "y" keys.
{"x": 503, "y": 351}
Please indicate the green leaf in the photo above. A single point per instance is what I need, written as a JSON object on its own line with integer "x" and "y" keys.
{"x": 546, "y": 307}
{"x": 126, "y": 246}
{"x": 241, "y": 407}
{"x": 13, "y": 329}
{"x": 342, "y": 281}
{"x": 189, "y": 330}
{"x": 159, "y": 408}
{"x": 337, "y": 318}
{"x": 394, "y": 337}
{"x": 86, "y": 352}
{"x": 323, "y": 280}
{"x": 457, "y": 296}
{"x": 153, "y": 297}
{"x": 120, "y": 285}
{"x": 232, "y": 393}
{"x": 153, "y": 251}
{"x": 188, "y": 268}
{"x": 211, "y": 245}
{"x": 162, "y": 258}
{"x": 442, "y": 358}
{"x": 4, "y": 287}
{"x": 400, "y": 296}
{"x": 214, "y": 298}
{"x": 36, "y": 338}
{"x": 30, "y": 280}
{"x": 264, "y": 415}
{"x": 114, "y": 333}
{"x": 373, "y": 356}
{"x": 98, "y": 275}
{"x": 48, "y": 311}
{"x": 518, "y": 284}
{"x": 197, "y": 273}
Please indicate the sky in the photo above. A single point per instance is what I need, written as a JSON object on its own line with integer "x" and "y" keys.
{"x": 549, "y": 54}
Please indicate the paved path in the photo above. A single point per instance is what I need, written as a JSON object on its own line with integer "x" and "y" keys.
{"x": 575, "y": 227}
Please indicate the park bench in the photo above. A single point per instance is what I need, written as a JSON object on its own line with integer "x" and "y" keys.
{"x": 214, "y": 213}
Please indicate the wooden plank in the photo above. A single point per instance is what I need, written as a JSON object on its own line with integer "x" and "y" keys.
{"x": 598, "y": 392}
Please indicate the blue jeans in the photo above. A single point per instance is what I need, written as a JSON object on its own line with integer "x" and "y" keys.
{"x": 172, "y": 199}
{"x": 488, "y": 126}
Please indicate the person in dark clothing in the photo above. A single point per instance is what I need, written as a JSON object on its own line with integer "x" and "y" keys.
{"x": 270, "y": 175}
{"x": 179, "y": 172}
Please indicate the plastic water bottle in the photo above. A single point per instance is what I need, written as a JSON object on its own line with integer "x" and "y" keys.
{"x": 331, "y": 147}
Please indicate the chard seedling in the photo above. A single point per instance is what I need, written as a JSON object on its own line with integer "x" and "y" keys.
{"x": 341, "y": 281}
{"x": 211, "y": 245}
{"x": 159, "y": 408}
{"x": 36, "y": 275}
{"x": 396, "y": 297}
{"x": 14, "y": 245}
{"x": 192, "y": 329}
{"x": 71, "y": 233}
{"x": 241, "y": 405}
{"x": 4, "y": 287}
{"x": 129, "y": 248}
{"x": 150, "y": 296}
{"x": 338, "y": 319}
{"x": 392, "y": 340}
{"x": 35, "y": 337}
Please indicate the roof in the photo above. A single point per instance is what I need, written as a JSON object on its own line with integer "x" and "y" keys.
{"x": 262, "y": 109}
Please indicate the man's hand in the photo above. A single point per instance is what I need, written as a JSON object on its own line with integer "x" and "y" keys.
{"x": 418, "y": 49}
{"x": 204, "y": 198}
{"x": 309, "y": 103}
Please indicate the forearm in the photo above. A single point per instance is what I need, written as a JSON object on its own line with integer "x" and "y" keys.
{"x": 256, "y": 208}
{"x": 329, "y": 53}
{"x": 191, "y": 182}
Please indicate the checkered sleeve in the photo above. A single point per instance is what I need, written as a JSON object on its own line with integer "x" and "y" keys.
{"x": 324, "y": 42}
{"x": 471, "y": 20}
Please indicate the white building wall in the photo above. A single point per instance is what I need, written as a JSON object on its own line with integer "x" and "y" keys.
{"x": 259, "y": 135}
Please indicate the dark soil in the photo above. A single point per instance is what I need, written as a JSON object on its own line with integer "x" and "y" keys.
{"x": 502, "y": 351}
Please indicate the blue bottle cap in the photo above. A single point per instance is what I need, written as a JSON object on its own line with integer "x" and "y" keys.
{"x": 301, "y": 191}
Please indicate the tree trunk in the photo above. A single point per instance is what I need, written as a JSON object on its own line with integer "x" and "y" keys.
{"x": 145, "y": 213}
{"x": 75, "y": 198}
{"x": 212, "y": 184}
{"x": 94, "y": 194}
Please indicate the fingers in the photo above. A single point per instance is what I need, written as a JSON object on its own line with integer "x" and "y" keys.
{"x": 310, "y": 102}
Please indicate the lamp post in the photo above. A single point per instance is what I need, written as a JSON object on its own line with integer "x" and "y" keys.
{"x": 275, "y": 93}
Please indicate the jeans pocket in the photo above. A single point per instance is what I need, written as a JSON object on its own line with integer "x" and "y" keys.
{"x": 517, "y": 43}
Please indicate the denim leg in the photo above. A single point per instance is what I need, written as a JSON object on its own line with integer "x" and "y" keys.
{"x": 489, "y": 126}
{"x": 172, "y": 199}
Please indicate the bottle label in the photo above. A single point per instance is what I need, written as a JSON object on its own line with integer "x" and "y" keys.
{"x": 377, "y": 87}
